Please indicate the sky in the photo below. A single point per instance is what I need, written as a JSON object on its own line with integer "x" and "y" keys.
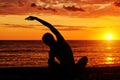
{"x": 75, "y": 19}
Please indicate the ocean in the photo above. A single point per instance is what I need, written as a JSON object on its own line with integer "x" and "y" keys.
{"x": 34, "y": 53}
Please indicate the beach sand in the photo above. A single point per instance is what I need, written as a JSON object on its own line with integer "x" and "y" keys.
{"x": 41, "y": 73}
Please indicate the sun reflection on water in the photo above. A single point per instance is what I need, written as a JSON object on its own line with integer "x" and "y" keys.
{"x": 109, "y": 59}
{"x": 109, "y": 48}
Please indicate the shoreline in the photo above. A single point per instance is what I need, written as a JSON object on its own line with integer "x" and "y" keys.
{"x": 41, "y": 73}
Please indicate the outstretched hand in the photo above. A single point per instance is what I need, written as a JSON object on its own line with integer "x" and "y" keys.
{"x": 30, "y": 18}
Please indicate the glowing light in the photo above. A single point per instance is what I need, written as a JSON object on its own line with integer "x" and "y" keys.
{"x": 109, "y": 36}
{"x": 109, "y": 59}
{"x": 109, "y": 48}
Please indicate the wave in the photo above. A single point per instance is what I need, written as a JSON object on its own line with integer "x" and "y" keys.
{"x": 24, "y": 50}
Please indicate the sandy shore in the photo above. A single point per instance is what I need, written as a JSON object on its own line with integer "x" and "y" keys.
{"x": 39, "y": 73}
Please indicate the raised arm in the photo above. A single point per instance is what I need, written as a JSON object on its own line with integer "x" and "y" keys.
{"x": 51, "y": 27}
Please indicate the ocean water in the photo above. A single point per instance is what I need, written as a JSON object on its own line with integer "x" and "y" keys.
{"x": 35, "y": 53}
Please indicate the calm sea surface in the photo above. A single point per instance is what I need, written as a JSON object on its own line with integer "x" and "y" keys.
{"x": 35, "y": 53}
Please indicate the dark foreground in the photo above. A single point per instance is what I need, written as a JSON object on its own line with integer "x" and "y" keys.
{"x": 37, "y": 73}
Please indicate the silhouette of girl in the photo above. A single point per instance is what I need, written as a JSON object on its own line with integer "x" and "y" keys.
{"x": 60, "y": 49}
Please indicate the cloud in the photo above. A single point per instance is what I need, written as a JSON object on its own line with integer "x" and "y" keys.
{"x": 59, "y": 27}
{"x": 79, "y": 8}
{"x": 17, "y": 26}
{"x": 101, "y": 6}
{"x": 14, "y": 6}
{"x": 97, "y": 1}
{"x": 13, "y": 1}
{"x": 117, "y": 3}
{"x": 57, "y": 6}
{"x": 73, "y": 8}
{"x": 71, "y": 28}
{"x": 40, "y": 27}
{"x": 30, "y": 6}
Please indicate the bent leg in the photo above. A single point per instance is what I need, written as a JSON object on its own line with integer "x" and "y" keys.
{"x": 53, "y": 68}
{"x": 81, "y": 65}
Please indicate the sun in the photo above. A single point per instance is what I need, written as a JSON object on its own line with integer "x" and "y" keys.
{"x": 109, "y": 36}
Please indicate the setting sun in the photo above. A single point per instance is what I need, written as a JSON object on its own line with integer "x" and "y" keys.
{"x": 109, "y": 37}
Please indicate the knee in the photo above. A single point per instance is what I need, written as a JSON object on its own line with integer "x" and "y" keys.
{"x": 85, "y": 58}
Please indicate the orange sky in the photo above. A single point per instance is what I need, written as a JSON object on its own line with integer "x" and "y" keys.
{"x": 98, "y": 20}
{"x": 15, "y": 27}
